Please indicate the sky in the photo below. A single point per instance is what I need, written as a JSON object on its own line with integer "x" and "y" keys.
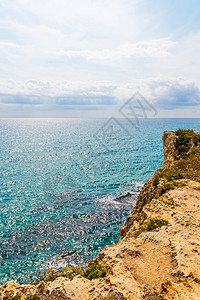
{"x": 87, "y": 58}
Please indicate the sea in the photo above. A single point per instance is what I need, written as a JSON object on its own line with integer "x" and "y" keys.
{"x": 68, "y": 185}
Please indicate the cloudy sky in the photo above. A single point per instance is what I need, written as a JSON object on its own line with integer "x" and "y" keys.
{"x": 86, "y": 58}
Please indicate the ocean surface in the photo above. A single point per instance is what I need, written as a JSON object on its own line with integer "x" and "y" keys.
{"x": 68, "y": 185}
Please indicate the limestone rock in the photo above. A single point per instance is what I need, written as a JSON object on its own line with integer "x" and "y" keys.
{"x": 169, "y": 139}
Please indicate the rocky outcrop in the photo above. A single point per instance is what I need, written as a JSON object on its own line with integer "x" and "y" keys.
{"x": 148, "y": 191}
{"x": 151, "y": 261}
{"x": 169, "y": 139}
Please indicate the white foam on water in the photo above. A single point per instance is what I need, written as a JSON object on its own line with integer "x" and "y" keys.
{"x": 57, "y": 262}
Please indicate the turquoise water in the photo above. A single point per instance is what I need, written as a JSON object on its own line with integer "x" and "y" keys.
{"x": 61, "y": 182}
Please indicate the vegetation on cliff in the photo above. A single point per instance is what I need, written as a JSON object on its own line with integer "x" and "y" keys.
{"x": 94, "y": 270}
{"x": 151, "y": 225}
{"x": 187, "y": 138}
{"x": 19, "y": 297}
{"x": 186, "y": 165}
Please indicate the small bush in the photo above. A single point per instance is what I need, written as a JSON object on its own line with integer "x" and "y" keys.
{"x": 32, "y": 297}
{"x": 17, "y": 297}
{"x": 51, "y": 277}
{"x": 185, "y": 137}
{"x": 196, "y": 139}
{"x": 183, "y": 149}
{"x": 166, "y": 186}
{"x": 95, "y": 270}
{"x": 169, "y": 174}
{"x": 157, "y": 176}
{"x": 188, "y": 168}
{"x": 35, "y": 283}
{"x": 10, "y": 297}
{"x": 168, "y": 201}
{"x": 69, "y": 272}
{"x": 155, "y": 296}
{"x": 152, "y": 224}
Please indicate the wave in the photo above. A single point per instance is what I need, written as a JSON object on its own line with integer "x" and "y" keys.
{"x": 126, "y": 199}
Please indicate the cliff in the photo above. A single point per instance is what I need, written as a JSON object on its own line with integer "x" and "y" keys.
{"x": 158, "y": 256}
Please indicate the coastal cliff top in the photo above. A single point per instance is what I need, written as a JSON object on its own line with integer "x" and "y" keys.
{"x": 158, "y": 256}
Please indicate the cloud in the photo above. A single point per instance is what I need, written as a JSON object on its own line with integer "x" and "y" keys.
{"x": 165, "y": 94}
{"x": 152, "y": 48}
{"x": 65, "y": 39}
{"x": 57, "y": 89}
{"x": 72, "y": 24}
{"x": 58, "y": 100}
{"x": 43, "y": 95}
{"x": 175, "y": 94}
{"x": 93, "y": 40}
{"x": 9, "y": 45}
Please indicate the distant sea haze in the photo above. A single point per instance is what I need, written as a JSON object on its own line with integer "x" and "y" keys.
{"x": 62, "y": 182}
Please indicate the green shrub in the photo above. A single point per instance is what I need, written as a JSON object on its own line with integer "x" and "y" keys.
{"x": 95, "y": 270}
{"x": 172, "y": 173}
{"x": 32, "y": 297}
{"x": 185, "y": 137}
{"x": 156, "y": 178}
{"x": 67, "y": 272}
{"x": 152, "y": 224}
{"x": 168, "y": 201}
{"x": 17, "y": 297}
{"x": 155, "y": 296}
{"x": 169, "y": 174}
{"x": 188, "y": 168}
{"x": 35, "y": 283}
{"x": 166, "y": 186}
{"x": 196, "y": 139}
{"x": 10, "y": 297}
{"x": 51, "y": 277}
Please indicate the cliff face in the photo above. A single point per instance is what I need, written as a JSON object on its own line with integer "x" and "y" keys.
{"x": 158, "y": 256}
{"x": 148, "y": 191}
{"x": 169, "y": 139}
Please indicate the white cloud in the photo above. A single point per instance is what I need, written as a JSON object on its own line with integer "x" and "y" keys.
{"x": 76, "y": 23}
{"x": 9, "y": 45}
{"x": 94, "y": 48}
{"x": 152, "y": 48}
{"x": 163, "y": 93}
{"x": 62, "y": 88}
